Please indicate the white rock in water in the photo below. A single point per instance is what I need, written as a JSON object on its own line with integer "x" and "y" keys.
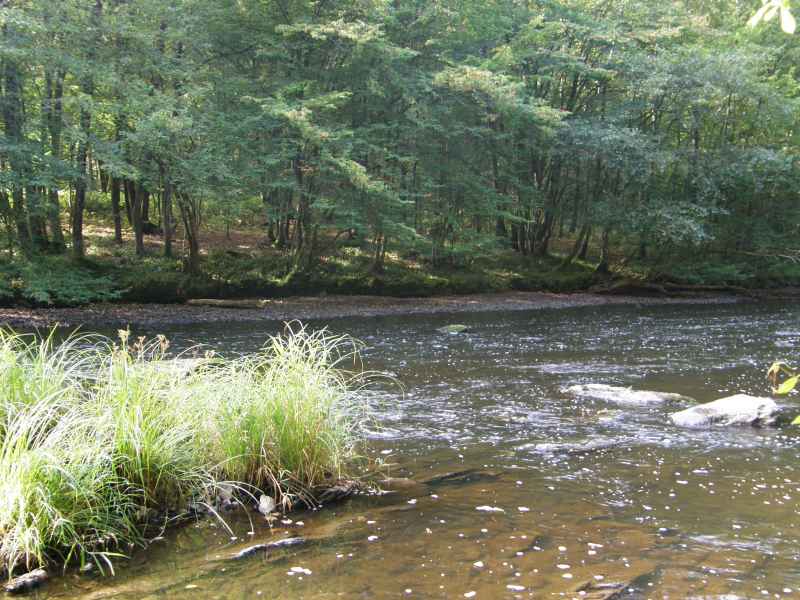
{"x": 453, "y": 329}
{"x": 266, "y": 505}
{"x": 740, "y": 409}
{"x": 621, "y": 395}
{"x": 489, "y": 509}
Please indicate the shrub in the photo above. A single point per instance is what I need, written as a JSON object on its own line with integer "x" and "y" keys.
{"x": 55, "y": 281}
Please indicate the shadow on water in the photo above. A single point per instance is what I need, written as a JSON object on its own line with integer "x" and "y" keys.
{"x": 589, "y": 494}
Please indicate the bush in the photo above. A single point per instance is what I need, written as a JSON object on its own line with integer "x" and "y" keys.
{"x": 55, "y": 281}
{"x": 709, "y": 274}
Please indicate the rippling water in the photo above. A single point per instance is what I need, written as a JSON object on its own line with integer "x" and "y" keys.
{"x": 669, "y": 513}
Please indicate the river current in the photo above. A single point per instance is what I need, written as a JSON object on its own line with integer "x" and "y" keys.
{"x": 559, "y": 496}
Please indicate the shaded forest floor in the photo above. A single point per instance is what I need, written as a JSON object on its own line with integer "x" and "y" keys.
{"x": 238, "y": 264}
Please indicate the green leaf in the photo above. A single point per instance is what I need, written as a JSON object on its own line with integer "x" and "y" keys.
{"x": 788, "y": 385}
{"x": 796, "y": 420}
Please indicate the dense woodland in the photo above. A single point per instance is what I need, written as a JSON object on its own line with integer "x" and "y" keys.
{"x": 414, "y": 135}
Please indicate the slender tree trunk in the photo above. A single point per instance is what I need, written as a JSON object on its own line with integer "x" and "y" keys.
{"x": 190, "y": 210}
{"x": 128, "y": 191}
{"x": 584, "y": 251}
{"x": 145, "y": 206}
{"x": 37, "y": 217}
{"x": 79, "y": 203}
{"x": 12, "y": 116}
{"x": 166, "y": 217}
{"x": 87, "y": 87}
{"x": 116, "y": 209}
{"x": 136, "y": 196}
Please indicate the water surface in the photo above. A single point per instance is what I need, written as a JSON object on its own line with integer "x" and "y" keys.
{"x": 671, "y": 513}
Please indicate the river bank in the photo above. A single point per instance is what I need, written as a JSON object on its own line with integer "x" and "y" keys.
{"x": 336, "y": 306}
{"x": 324, "y": 307}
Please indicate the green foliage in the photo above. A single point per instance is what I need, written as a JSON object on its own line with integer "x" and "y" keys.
{"x": 718, "y": 273}
{"x": 55, "y": 281}
{"x": 456, "y": 133}
{"x": 788, "y": 384}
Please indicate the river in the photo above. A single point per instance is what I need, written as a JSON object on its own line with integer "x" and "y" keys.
{"x": 667, "y": 513}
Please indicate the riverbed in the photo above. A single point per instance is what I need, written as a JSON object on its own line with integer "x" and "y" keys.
{"x": 556, "y": 493}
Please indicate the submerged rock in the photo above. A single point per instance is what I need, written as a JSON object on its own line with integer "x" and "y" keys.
{"x": 266, "y": 547}
{"x": 621, "y": 395}
{"x": 464, "y": 476}
{"x": 27, "y": 582}
{"x": 453, "y": 329}
{"x": 601, "y": 590}
{"x": 575, "y": 448}
{"x": 739, "y": 409}
{"x": 338, "y": 490}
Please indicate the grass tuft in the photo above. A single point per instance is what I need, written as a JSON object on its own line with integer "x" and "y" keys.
{"x": 98, "y": 436}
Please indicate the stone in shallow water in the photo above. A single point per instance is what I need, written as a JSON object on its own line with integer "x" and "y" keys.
{"x": 266, "y": 547}
{"x": 621, "y": 395}
{"x": 740, "y": 409}
{"x": 453, "y": 329}
{"x": 27, "y": 582}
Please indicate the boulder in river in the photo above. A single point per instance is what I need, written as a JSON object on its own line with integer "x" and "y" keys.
{"x": 621, "y": 395}
{"x": 453, "y": 329}
{"x": 739, "y": 409}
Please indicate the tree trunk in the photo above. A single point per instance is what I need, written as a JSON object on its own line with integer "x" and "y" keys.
{"x": 584, "y": 251}
{"x": 577, "y": 246}
{"x": 145, "y": 207}
{"x": 166, "y": 217}
{"x": 136, "y": 197}
{"x": 87, "y": 87}
{"x": 52, "y": 111}
{"x": 128, "y": 191}
{"x": 79, "y": 203}
{"x": 12, "y": 116}
{"x": 37, "y": 217}
{"x": 190, "y": 215}
{"x": 603, "y": 267}
{"x": 54, "y": 217}
{"x": 115, "y": 209}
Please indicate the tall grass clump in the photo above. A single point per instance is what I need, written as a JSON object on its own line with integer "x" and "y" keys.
{"x": 100, "y": 438}
{"x": 288, "y": 418}
{"x": 148, "y": 411}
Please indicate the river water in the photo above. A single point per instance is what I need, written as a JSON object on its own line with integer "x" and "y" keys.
{"x": 659, "y": 511}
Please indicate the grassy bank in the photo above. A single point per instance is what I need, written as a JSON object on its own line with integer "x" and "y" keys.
{"x": 100, "y": 440}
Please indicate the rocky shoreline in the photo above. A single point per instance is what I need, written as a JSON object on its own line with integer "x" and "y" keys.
{"x": 336, "y": 306}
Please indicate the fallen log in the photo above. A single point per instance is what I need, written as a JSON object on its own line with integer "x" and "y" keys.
{"x": 252, "y": 303}
{"x": 665, "y": 288}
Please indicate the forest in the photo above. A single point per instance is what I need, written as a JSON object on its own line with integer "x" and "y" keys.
{"x": 162, "y": 150}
